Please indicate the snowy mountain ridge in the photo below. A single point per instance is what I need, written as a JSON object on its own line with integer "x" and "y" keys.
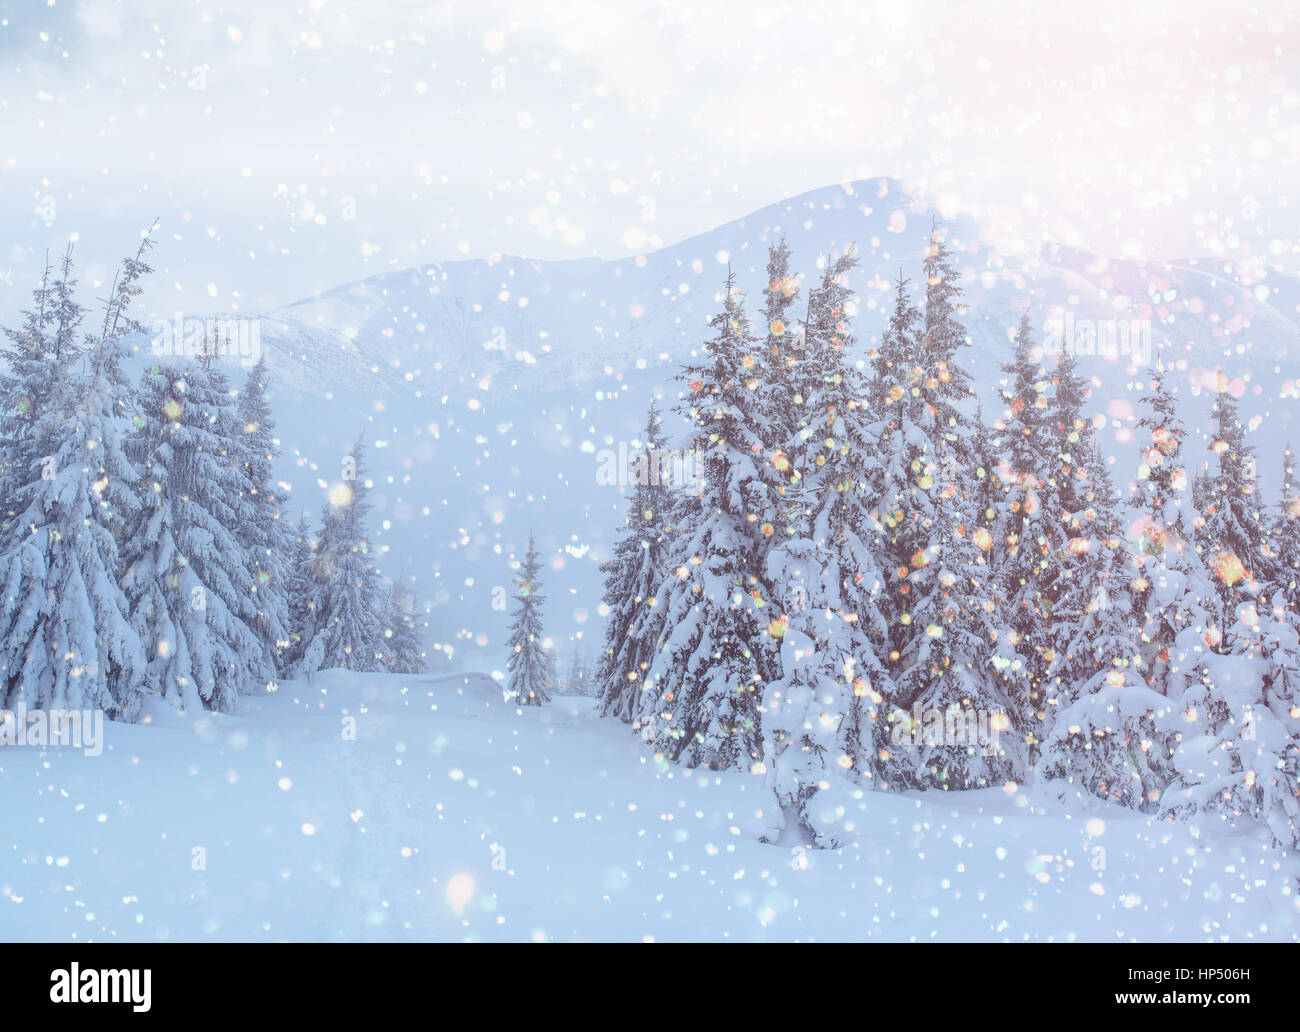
{"x": 499, "y": 382}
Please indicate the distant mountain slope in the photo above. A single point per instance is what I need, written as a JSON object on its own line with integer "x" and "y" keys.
{"x": 488, "y": 388}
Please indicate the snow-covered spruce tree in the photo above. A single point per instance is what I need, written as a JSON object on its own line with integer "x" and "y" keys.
{"x": 1172, "y": 585}
{"x": 27, "y": 381}
{"x": 66, "y": 640}
{"x": 301, "y": 590}
{"x": 779, "y": 407}
{"x": 705, "y": 686}
{"x": 576, "y": 680}
{"x": 1028, "y": 531}
{"x": 531, "y": 667}
{"x": 1236, "y": 760}
{"x": 820, "y": 716}
{"x": 945, "y": 385}
{"x": 267, "y": 537}
{"x": 1284, "y": 532}
{"x": 403, "y": 638}
{"x": 939, "y": 585}
{"x": 632, "y": 576}
{"x": 987, "y": 490}
{"x": 351, "y": 610}
{"x": 1100, "y": 732}
{"x": 1230, "y": 531}
{"x": 189, "y": 581}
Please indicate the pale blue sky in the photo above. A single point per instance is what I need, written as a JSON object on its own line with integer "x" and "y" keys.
{"x": 256, "y": 129}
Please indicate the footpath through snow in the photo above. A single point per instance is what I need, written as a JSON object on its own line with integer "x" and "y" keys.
{"x": 380, "y": 807}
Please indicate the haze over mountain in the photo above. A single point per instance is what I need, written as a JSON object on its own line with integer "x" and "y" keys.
{"x": 487, "y": 389}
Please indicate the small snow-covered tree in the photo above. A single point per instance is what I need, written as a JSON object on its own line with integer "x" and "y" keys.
{"x": 578, "y": 681}
{"x": 404, "y": 636}
{"x": 351, "y": 610}
{"x": 1236, "y": 728}
{"x": 531, "y": 667}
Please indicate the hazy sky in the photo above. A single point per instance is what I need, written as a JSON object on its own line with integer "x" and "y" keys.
{"x": 291, "y": 147}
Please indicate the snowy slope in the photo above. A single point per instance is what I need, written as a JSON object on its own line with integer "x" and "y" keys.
{"x": 489, "y": 388}
{"x": 451, "y": 816}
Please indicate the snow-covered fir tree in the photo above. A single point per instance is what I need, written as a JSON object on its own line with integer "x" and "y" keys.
{"x": 1284, "y": 533}
{"x": 530, "y": 666}
{"x": 987, "y": 490}
{"x": 266, "y": 537}
{"x": 945, "y": 384}
{"x": 1230, "y": 528}
{"x": 820, "y": 717}
{"x": 779, "y": 406}
{"x": 66, "y": 639}
{"x": 705, "y": 686}
{"x": 190, "y": 583}
{"x": 31, "y": 376}
{"x": 404, "y": 636}
{"x": 351, "y": 609}
{"x": 939, "y": 582}
{"x": 1236, "y": 728}
{"x": 301, "y": 591}
{"x": 1171, "y": 584}
{"x": 579, "y": 679}
{"x": 1029, "y": 532}
{"x": 632, "y": 576}
{"x": 1098, "y": 710}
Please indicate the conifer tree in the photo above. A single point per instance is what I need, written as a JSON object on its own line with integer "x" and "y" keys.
{"x": 1172, "y": 585}
{"x": 780, "y": 406}
{"x": 706, "y": 682}
{"x": 1230, "y": 532}
{"x": 821, "y": 715}
{"x": 1098, "y": 713}
{"x": 1285, "y": 534}
{"x": 266, "y": 537}
{"x": 403, "y": 636}
{"x": 66, "y": 640}
{"x": 531, "y": 667}
{"x": 987, "y": 490}
{"x": 944, "y": 383}
{"x": 1029, "y": 531}
{"x": 301, "y": 591}
{"x": 1236, "y": 726}
{"x": 351, "y": 612}
{"x": 941, "y": 595}
{"x": 189, "y": 581}
{"x": 632, "y": 576}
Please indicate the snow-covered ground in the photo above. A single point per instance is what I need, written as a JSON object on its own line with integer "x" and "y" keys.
{"x": 451, "y": 815}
